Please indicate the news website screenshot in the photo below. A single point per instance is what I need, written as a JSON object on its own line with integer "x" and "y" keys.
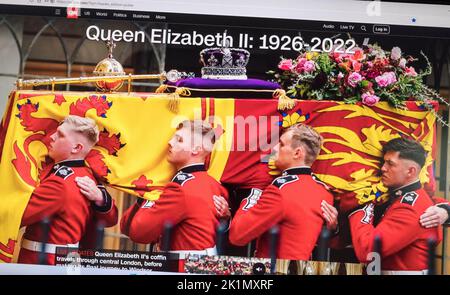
{"x": 335, "y": 58}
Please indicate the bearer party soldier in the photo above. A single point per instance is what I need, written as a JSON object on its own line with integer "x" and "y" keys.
{"x": 294, "y": 201}
{"x": 404, "y": 246}
{"x": 186, "y": 202}
{"x": 67, "y": 194}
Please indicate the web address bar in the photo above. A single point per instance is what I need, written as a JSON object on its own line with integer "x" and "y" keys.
{"x": 323, "y": 10}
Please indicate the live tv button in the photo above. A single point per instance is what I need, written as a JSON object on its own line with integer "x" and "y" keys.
{"x": 381, "y": 29}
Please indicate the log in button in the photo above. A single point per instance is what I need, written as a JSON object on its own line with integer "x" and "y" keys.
{"x": 381, "y": 29}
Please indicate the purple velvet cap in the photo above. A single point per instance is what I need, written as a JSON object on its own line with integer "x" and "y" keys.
{"x": 249, "y": 88}
{"x": 199, "y": 83}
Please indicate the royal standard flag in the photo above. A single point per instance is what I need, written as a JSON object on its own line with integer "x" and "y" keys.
{"x": 135, "y": 129}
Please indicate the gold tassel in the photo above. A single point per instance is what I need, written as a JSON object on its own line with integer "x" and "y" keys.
{"x": 284, "y": 102}
{"x": 174, "y": 101}
{"x": 183, "y": 91}
{"x": 161, "y": 89}
{"x": 174, "y": 98}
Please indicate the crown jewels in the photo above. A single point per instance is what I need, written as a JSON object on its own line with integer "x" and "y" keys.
{"x": 224, "y": 63}
{"x": 109, "y": 67}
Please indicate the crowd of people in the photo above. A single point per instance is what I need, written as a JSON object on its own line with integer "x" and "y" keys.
{"x": 223, "y": 265}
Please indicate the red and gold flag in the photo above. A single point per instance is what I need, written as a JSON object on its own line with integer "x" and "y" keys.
{"x": 135, "y": 129}
{"x": 130, "y": 154}
{"x": 349, "y": 161}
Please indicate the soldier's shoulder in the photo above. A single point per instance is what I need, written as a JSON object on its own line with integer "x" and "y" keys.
{"x": 318, "y": 181}
{"x": 410, "y": 198}
{"x": 64, "y": 172}
{"x": 182, "y": 178}
{"x": 281, "y": 181}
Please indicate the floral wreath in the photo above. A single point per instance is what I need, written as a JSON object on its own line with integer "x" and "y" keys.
{"x": 367, "y": 75}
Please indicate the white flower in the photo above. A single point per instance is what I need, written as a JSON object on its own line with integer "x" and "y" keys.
{"x": 396, "y": 53}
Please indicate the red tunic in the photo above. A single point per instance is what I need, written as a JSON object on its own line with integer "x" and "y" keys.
{"x": 59, "y": 198}
{"x": 403, "y": 239}
{"x": 292, "y": 201}
{"x": 187, "y": 203}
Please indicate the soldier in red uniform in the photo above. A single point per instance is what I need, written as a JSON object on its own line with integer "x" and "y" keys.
{"x": 293, "y": 200}
{"x": 58, "y": 197}
{"x": 403, "y": 239}
{"x": 186, "y": 202}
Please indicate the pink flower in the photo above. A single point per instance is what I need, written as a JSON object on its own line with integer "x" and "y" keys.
{"x": 354, "y": 78}
{"x": 369, "y": 99}
{"x": 410, "y": 71}
{"x": 356, "y": 66}
{"x": 402, "y": 63}
{"x": 386, "y": 79}
{"x": 285, "y": 64}
{"x": 309, "y": 66}
{"x": 358, "y": 55}
{"x": 339, "y": 57}
{"x": 396, "y": 53}
{"x": 301, "y": 60}
{"x": 299, "y": 66}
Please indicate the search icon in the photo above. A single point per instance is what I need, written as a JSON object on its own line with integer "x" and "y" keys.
{"x": 363, "y": 28}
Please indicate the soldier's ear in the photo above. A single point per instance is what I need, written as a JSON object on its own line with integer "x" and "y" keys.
{"x": 414, "y": 170}
{"x": 77, "y": 148}
{"x": 299, "y": 152}
{"x": 196, "y": 150}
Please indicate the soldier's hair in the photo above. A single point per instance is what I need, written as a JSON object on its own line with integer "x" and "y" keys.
{"x": 408, "y": 149}
{"x": 84, "y": 126}
{"x": 202, "y": 128}
{"x": 307, "y": 137}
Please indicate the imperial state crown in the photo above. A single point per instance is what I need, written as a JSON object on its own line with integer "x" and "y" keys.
{"x": 224, "y": 63}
